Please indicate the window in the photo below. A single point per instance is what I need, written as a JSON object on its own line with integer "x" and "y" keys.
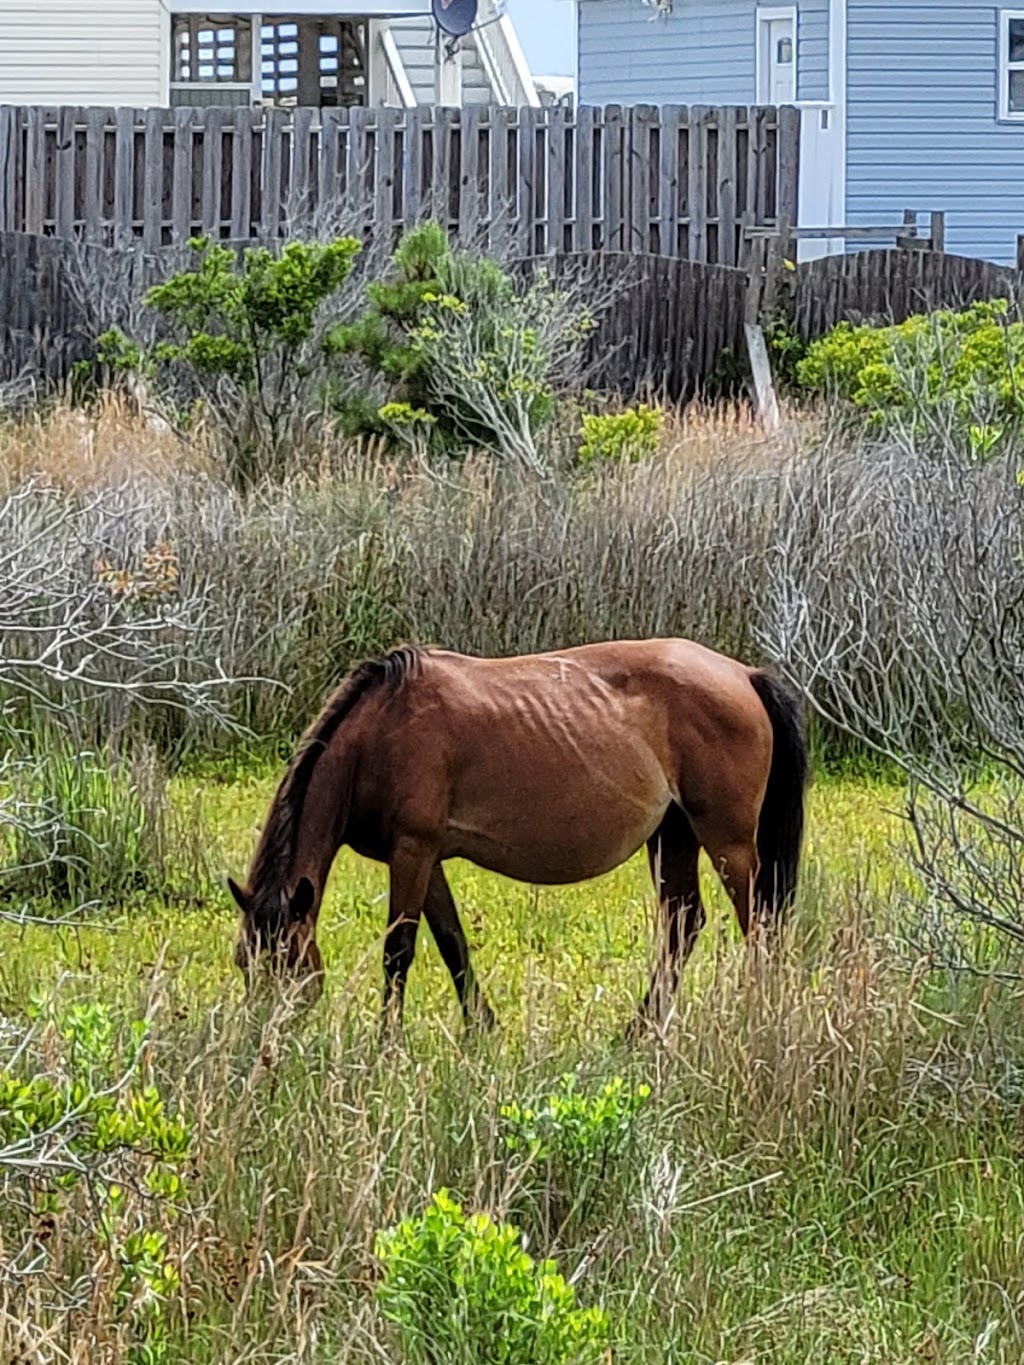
{"x": 776, "y": 54}
{"x": 313, "y": 61}
{"x": 211, "y": 49}
{"x": 1011, "y": 64}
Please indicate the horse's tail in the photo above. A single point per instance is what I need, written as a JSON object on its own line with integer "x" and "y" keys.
{"x": 780, "y": 829}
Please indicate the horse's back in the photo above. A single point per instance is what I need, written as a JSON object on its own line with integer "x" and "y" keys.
{"x": 599, "y": 682}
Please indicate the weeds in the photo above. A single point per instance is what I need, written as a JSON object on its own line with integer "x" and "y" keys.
{"x": 817, "y": 1172}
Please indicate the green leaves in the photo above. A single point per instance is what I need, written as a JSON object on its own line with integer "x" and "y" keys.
{"x": 244, "y": 334}
{"x": 452, "y": 336}
{"x": 575, "y": 1126}
{"x": 99, "y": 1114}
{"x": 258, "y": 296}
{"x": 960, "y": 369}
{"x": 458, "y": 1286}
{"x": 630, "y": 435}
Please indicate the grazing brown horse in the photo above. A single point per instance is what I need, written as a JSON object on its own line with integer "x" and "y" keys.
{"x": 547, "y": 768}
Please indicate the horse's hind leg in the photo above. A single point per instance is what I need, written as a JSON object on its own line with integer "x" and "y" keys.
{"x": 443, "y": 918}
{"x": 733, "y": 855}
{"x": 672, "y": 852}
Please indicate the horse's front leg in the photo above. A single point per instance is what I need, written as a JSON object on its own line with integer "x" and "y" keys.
{"x": 411, "y": 864}
{"x": 445, "y": 925}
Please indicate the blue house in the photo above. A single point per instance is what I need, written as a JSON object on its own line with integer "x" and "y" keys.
{"x": 906, "y": 103}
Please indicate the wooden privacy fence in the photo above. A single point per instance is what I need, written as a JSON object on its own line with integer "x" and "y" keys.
{"x": 663, "y": 323}
{"x": 674, "y": 181}
{"x": 885, "y": 285}
{"x": 890, "y": 286}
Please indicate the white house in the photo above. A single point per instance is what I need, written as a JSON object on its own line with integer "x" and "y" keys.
{"x": 311, "y": 52}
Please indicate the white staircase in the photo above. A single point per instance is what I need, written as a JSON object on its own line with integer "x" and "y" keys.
{"x": 420, "y": 66}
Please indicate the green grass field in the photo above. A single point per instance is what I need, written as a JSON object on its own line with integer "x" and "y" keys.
{"x": 828, "y": 1168}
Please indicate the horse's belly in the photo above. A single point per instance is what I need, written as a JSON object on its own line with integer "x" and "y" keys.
{"x": 552, "y": 844}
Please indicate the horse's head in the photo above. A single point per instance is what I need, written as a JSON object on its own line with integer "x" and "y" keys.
{"x": 279, "y": 926}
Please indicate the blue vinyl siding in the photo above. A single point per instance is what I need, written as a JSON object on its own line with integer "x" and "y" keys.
{"x": 701, "y": 53}
{"x": 812, "y": 50}
{"x": 922, "y": 126}
{"x": 704, "y": 52}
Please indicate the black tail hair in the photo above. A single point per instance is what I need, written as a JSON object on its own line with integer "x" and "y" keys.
{"x": 780, "y": 828}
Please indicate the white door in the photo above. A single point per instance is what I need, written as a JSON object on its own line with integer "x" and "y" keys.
{"x": 776, "y": 57}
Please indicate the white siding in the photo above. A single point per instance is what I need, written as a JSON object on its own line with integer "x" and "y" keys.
{"x": 106, "y": 52}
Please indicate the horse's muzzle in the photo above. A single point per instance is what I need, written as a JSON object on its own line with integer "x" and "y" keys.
{"x": 297, "y": 960}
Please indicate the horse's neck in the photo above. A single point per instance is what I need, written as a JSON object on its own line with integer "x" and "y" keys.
{"x": 325, "y": 811}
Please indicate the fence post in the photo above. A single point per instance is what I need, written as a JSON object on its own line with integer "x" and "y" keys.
{"x": 1020, "y": 253}
{"x": 780, "y": 249}
{"x": 905, "y": 240}
{"x": 938, "y": 231}
{"x": 754, "y": 263}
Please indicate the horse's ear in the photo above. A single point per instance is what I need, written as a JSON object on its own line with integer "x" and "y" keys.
{"x": 241, "y": 899}
{"x": 302, "y": 899}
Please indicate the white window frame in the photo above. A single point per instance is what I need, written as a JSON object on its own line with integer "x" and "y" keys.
{"x": 765, "y": 15}
{"x": 1006, "y": 114}
{"x": 252, "y": 85}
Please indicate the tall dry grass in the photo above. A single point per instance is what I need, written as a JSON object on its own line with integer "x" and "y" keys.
{"x": 362, "y": 548}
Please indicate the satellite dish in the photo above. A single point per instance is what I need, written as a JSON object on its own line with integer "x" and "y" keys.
{"x": 454, "y": 17}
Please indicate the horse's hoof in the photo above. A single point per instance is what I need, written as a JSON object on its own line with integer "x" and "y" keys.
{"x": 479, "y": 1024}
{"x": 638, "y": 1030}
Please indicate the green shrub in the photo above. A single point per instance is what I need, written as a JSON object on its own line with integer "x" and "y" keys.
{"x": 460, "y": 1288}
{"x": 630, "y": 435}
{"x": 786, "y": 349}
{"x": 244, "y": 337}
{"x": 965, "y": 366}
{"x": 89, "y": 1139}
{"x": 573, "y": 1144}
{"x": 454, "y": 339}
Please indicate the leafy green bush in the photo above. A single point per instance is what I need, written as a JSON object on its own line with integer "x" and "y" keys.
{"x": 572, "y": 1144}
{"x": 244, "y": 335}
{"x": 454, "y": 339}
{"x": 630, "y": 435}
{"x": 459, "y": 1288}
{"x": 967, "y": 366}
{"x": 89, "y": 1139}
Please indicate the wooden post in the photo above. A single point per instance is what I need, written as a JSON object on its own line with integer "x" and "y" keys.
{"x": 907, "y": 238}
{"x": 778, "y": 252}
{"x": 761, "y": 370}
{"x": 755, "y": 257}
{"x": 939, "y": 231}
{"x": 1020, "y": 253}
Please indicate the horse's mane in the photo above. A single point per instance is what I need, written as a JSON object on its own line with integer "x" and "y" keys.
{"x": 277, "y": 844}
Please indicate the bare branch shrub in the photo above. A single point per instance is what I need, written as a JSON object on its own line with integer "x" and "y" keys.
{"x": 895, "y": 600}
{"x": 97, "y": 642}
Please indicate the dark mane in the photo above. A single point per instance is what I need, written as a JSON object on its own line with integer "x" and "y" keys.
{"x": 276, "y": 848}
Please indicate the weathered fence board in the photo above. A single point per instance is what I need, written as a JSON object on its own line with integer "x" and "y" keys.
{"x": 662, "y": 322}
{"x": 891, "y": 285}
{"x": 674, "y": 181}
